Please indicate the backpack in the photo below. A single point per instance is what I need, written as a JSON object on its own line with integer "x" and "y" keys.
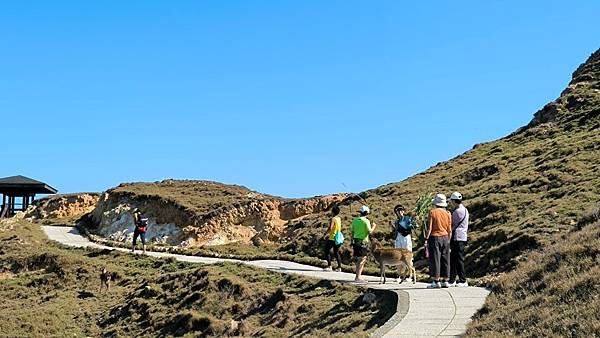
{"x": 142, "y": 225}
{"x": 339, "y": 238}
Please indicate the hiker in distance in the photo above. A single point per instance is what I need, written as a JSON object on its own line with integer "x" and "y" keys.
{"x": 140, "y": 226}
{"x": 334, "y": 240}
{"x": 437, "y": 240}
{"x": 361, "y": 229}
{"x": 460, "y": 227}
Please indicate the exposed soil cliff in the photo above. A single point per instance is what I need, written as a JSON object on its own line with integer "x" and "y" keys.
{"x": 197, "y": 213}
{"x": 63, "y": 206}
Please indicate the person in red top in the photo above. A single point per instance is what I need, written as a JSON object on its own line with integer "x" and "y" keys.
{"x": 439, "y": 232}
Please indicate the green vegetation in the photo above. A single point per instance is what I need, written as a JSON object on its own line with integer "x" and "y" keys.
{"x": 51, "y": 290}
{"x": 554, "y": 293}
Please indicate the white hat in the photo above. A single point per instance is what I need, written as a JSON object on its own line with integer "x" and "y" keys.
{"x": 364, "y": 209}
{"x": 456, "y": 196}
{"x": 440, "y": 200}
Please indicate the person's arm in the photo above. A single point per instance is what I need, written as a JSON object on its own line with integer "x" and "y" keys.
{"x": 449, "y": 230}
{"x": 429, "y": 226}
{"x": 455, "y": 219}
{"x": 370, "y": 226}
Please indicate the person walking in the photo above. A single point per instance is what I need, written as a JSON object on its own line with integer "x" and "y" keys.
{"x": 460, "y": 227}
{"x": 140, "y": 226}
{"x": 332, "y": 248}
{"x": 361, "y": 228}
{"x": 439, "y": 233}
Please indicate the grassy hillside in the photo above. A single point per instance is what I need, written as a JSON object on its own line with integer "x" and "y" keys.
{"x": 201, "y": 197}
{"x": 50, "y": 290}
{"x": 521, "y": 189}
{"x": 552, "y": 294}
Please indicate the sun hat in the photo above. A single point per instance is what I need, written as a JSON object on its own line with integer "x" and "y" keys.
{"x": 364, "y": 209}
{"x": 440, "y": 200}
{"x": 456, "y": 196}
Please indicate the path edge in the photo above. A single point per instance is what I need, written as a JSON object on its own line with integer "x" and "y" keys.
{"x": 402, "y": 307}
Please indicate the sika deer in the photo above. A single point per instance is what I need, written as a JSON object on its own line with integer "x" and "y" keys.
{"x": 396, "y": 257}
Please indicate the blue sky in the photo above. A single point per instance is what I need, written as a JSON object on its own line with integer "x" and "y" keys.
{"x": 291, "y": 98}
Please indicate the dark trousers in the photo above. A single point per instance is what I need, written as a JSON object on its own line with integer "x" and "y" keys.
{"x": 457, "y": 261}
{"x": 439, "y": 256}
{"x": 142, "y": 235}
{"x": 332, "y": 248}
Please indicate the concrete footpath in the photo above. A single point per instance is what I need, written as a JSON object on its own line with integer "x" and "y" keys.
{"x": 421, "y": 312}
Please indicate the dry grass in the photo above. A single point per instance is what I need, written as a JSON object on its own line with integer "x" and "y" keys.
{"x": 554, "y": 293}
{"x": 51, "y": 290}
{"x": 200, "y": 197}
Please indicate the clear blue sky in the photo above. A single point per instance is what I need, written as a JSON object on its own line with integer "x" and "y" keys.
{"x": 286, "y": 97}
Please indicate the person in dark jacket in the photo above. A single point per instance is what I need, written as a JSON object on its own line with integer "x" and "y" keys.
{"x": 140, "y": 226}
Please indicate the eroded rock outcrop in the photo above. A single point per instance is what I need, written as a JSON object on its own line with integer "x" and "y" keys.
{"x": 63, "y": 206}
{"x": 257, "y": 220}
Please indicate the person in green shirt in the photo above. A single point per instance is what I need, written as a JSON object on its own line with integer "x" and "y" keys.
{"x": 361, "y": 229}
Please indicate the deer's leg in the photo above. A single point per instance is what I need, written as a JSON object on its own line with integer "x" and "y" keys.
{"x": 400, "y": 273}
{"x": 381, "y": 272}
{"x": 411, "y": 270}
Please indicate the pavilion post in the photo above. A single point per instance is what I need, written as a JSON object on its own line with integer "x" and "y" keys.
{"x": 11, "y": 205}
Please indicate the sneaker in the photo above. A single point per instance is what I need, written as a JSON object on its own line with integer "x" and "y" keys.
{"x": 451, "y": 284}
{"x": 445, "y": 284}
{"x": 462, "y": 285}
{"x": 360, "y": 281}
{"x": 328, "y": 269}
{"x": 338, "y": 270}
{"x": 434, "y": 285}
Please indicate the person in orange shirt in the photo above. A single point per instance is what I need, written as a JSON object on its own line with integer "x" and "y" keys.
{"x": 439, "y": 232}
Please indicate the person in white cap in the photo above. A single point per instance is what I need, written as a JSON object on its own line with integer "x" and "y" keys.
{"x": 361, "y": 229}
{"x": 439, "y": 232}
{"x": 460, "y": 227}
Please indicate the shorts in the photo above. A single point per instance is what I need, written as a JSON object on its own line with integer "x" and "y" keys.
{"x": 360, "y": 249}
{"x": 142, "y": 236}
{"x": 403, "y": 242}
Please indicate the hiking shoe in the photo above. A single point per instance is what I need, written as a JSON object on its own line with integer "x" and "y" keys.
{"x": 328, "y": 269}
{"x": 434, "y": 285}
{"x": 445, "y": 284}
{"x": 462, "y": 285}
{"x": 360, "y": 281}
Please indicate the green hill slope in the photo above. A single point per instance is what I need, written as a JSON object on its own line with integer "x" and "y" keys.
{"x": 553, "y": 294}
{"x": 521, "y": 189}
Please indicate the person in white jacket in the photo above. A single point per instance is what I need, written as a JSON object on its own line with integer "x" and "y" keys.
{"x": 460, "y": 228}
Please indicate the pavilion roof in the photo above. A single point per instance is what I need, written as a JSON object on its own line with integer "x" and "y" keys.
{"x": 21, "y": 184}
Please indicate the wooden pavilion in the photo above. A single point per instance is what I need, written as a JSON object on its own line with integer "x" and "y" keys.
{"x": 21, "y": 189}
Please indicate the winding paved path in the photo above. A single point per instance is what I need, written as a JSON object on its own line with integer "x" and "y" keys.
{"x": 421, "y": 312}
